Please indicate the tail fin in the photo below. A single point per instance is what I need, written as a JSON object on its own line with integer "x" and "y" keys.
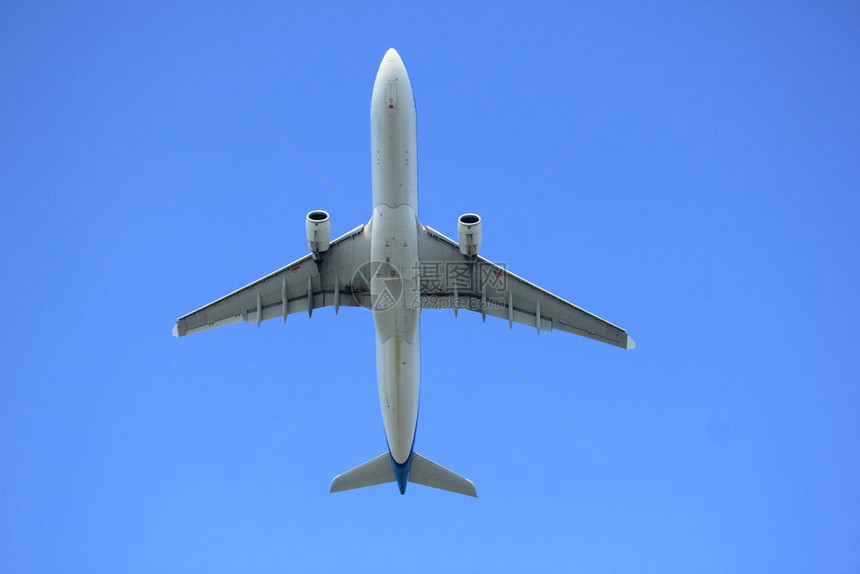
{"x": 374, "y": 471}
{"x": 425, "y": 471}
{"x": 421, "y": 471}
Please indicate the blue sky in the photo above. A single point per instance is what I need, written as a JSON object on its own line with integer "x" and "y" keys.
{"x": 711, "y": 209}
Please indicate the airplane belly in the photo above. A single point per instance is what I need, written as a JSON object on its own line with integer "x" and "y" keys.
{"x": 398, "y": 366}
{"x": 396, "y": 311}
{"x": 393, "y": 137}
{"x": 394, "y": 288}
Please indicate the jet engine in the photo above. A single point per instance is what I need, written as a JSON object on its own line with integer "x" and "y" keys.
{"x": 469, "y": 234}
{"x": 318, "y": 226}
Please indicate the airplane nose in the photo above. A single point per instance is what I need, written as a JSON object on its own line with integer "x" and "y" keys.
{"x": 392, "y": 65}
{"x": 392, "y": 55}
{"x": 392, "y": 83}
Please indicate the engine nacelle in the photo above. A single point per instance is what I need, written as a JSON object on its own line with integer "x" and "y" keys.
{"x": 318, "y": 227}
{"x": 469, "y": 234}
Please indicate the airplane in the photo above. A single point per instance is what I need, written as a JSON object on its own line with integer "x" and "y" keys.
{"x": 396, "y": 267}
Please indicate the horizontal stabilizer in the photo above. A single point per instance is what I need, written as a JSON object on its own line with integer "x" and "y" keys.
{"x": 375, "y": 471}
{"x": 426, "y": 472}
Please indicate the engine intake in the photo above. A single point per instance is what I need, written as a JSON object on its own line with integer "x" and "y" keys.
{"x": 318, "y": 227}
{"x": 469, "y": 234}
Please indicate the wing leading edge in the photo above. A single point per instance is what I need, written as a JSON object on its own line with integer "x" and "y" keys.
{"x": 303, "y": 285}
{"x": 455, "y": 282}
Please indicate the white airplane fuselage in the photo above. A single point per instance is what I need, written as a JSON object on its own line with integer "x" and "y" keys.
{"x": 394, "y": 241}
{"x": 386, "y": 253}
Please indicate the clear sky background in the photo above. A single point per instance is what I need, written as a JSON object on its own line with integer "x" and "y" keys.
{"x": 711, "y": 209}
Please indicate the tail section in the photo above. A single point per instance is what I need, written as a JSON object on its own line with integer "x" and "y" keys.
{"x": 374, "y": 471}
{"x": 425, "y": 471}
{"x": 418, "y": 469}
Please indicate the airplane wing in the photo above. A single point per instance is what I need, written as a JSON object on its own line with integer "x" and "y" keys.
{"x": 303, "y": 285}
{"x": 449, "y": 280}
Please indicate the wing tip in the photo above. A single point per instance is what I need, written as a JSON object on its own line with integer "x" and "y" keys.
{"x": 631, "y": 344}
{"x": 471, "y": 490}
{"x": 176, "y": 330}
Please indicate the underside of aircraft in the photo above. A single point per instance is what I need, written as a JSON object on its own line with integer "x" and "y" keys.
{"x": 395, "y": 266}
